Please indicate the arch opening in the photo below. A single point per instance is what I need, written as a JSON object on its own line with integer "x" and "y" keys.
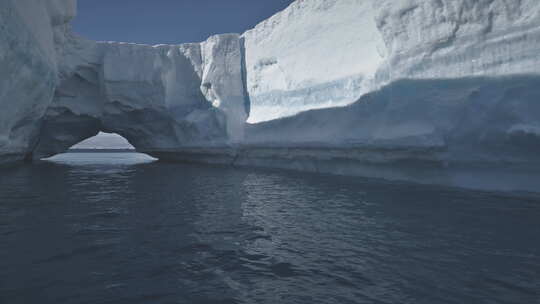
{"x": 102, "y": 148}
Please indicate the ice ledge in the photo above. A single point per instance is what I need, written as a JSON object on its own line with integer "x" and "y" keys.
{"x": 420, "y": 166}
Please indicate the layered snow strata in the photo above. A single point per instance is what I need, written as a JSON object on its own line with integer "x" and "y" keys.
{"x": 475, "y": 119}
{"x": 318, "y": 54}
{"x": 459, "y": 38}
{"x": 314, "y": 54}
{"x": 476, "y": 132}
{"x": 472, "y": 61}
{"x": 456, "y": 95}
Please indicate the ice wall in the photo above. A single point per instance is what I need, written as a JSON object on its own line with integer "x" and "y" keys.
{"x": 459, "y": 38}
{"x": 28, "y": 69}
{"x": 429, "y": 40}
{"x": 459, "y": 76}
{"x": 223, "y": 83}
{"x": 314, "y": 54}
{"x": 318, "y": 54}
{"x": 416, "y": 80}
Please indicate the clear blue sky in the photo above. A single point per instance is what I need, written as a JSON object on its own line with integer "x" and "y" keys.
{"x": 170, "y": 21}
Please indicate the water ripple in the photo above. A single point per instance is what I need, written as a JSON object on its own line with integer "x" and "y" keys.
{"x": 123, "y": 229}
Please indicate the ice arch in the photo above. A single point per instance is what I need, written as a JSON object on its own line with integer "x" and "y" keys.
{"x": 159, "y": 98}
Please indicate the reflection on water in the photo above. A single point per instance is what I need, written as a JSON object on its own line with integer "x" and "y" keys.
{"x": 119, "y": 228}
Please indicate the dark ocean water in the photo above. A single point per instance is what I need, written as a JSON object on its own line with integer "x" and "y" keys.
{"x": 118, "y": 228}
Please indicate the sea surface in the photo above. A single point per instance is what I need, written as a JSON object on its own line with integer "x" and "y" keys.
{"x": 121, "y": 228}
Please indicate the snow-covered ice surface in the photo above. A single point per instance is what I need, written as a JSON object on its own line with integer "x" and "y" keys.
{"x": 452, "y": 69}
{"x": 454, "y": 101}
{"x": 459, "y": 38}
{"x": 314, "y": 54}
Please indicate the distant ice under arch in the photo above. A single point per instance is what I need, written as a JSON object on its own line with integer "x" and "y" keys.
{"x": 105, "y": 141}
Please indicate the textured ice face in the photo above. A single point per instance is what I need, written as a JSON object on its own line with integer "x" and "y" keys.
{"x": 314, "y": 54}
{"x": 222, "y": 82}
{"x": 319, "y": 54}
{"x": 28, "y": 69}
{"x": 459, "y": 38}
{"x": 458, "y": 76}
{"x": 470, "y": 119}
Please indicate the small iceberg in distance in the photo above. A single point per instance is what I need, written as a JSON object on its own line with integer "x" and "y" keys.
{"x": 104, "y": 141}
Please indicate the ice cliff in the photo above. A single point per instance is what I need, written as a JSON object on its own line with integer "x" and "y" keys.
{"x": 319, "y": 54}
{"x": 28, "y": 69}
{"x": 455, "y": 74}
{"x": 342, "y": 86}
{"x": 314, "y": 54}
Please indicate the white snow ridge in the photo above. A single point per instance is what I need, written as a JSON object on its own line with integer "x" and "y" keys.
{"x": 430, "y": 91}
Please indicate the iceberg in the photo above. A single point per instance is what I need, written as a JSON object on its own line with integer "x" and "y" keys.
{"x": 429, "y": 91}
{"x": 29, "y": 68}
